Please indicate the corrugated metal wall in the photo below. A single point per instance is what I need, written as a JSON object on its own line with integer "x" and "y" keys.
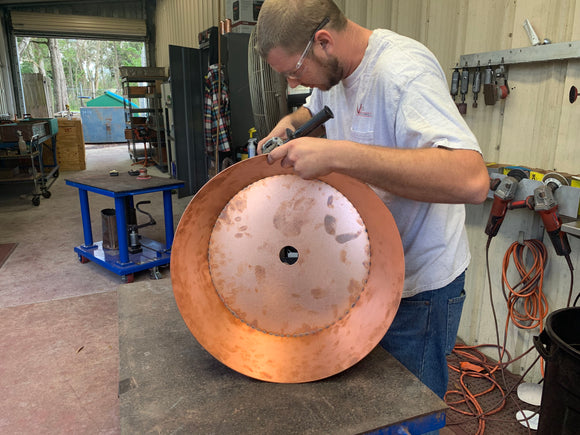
{"x": 179, "y": 22}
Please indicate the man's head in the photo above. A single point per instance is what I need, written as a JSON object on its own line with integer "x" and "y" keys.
{"x": 288, "y": 30}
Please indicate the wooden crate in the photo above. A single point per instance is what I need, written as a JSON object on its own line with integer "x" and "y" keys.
{"x": 70, "y": 145}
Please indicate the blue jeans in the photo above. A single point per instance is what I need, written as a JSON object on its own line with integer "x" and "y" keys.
{"x": 424, "y": 330}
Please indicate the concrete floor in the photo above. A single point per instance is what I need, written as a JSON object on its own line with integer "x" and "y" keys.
{"x": 59, "y": 349}
{"x": 59, "y": 344}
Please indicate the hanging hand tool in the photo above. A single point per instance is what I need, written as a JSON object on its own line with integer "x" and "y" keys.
{"x": 489, "y": 92}
{"x": 464, "y": 90}
{"x": 501, "y": 83}
{"x": 544, "y": 203}
{"x": 476, "y": 85}
{"x": 455, "y": 83}
{"x": 547, "y": 207}
{"x": 504, "y": 193}
{"x": 495, "y": 85}
{"x": 316, "y": 121}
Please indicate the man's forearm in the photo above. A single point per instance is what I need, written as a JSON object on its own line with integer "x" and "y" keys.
{"x": 430, "y": 175}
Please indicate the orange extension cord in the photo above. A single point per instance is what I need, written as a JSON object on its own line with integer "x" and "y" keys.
{"x": 527, "y": 308}
{"x": 528, "y": 292}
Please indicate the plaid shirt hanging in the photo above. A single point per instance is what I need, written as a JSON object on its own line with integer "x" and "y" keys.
{"x": 216, "y": 122}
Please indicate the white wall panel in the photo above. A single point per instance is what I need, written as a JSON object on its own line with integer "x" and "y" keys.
{"x": 180, "y": 21}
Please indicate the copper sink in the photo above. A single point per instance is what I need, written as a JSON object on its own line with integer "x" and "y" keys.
{"x": 284, "y": 279}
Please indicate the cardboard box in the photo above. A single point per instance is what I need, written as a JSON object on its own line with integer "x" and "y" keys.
{"x": 243, "y": 10}
{"x": 70, "y": 145}
{"x": 137, "y": 90}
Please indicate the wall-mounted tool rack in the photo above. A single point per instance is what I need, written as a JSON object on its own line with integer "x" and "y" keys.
{"x": 567, "y": 197}
{"x": 512, "y": 56}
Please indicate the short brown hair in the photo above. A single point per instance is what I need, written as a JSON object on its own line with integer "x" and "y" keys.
{"x": 289, "y": 23}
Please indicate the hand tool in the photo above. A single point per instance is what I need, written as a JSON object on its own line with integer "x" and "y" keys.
{"x": 495, "y": 85}
{"x": 501, "y": 83}
{"x": 464, "y": 90}
{"x": 504, "y": 193}
{"x": 476, "y": 85}
{"x": 455, "y": 78}
{"x": 316, "y": 121}
{"x": 544, "y": 203}
{"x": 489, "y": 91}
{"x": 547, "y": 207}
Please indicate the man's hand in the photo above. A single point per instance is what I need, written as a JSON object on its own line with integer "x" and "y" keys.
{"x": 310, "y": 157}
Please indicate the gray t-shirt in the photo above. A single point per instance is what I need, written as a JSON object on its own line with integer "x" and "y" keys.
{"x": 398, "y": 97}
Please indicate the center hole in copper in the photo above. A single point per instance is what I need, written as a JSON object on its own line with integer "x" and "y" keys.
{"x": 289, "y": 255}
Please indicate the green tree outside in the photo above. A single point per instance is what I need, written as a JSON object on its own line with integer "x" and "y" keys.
{"x": 90, "y": 66}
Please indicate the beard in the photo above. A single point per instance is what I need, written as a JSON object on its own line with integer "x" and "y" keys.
{"x": 332, "y": 72}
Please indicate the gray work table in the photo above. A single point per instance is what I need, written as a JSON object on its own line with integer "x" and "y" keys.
{"x": 169, "y": 384}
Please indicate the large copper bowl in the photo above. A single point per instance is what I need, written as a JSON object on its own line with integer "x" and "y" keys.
{"x": 284, "y": 279}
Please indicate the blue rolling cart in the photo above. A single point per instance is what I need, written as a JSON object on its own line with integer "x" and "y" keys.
{"x": 123, "y": 188}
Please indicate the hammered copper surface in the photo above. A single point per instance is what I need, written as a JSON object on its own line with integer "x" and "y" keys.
{"x": 284, "y": 279}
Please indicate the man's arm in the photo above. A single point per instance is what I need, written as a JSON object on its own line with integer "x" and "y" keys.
{"x": 439, "y": 175}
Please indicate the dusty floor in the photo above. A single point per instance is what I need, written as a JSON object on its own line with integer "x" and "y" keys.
{"x": 58, "y": 317}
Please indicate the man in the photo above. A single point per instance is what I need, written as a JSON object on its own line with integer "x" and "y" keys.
{"x": 397, "y": 129}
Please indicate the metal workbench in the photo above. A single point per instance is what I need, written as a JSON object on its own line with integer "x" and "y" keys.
{"x": 169, "y": 384}
{"x": 123, "y": 188}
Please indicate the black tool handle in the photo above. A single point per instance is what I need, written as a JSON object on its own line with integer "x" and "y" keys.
{"x": 317, "y": 120}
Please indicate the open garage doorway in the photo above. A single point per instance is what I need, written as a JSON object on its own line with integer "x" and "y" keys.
{"x": 79, "y": 79}
{"x": 62, "y": 75}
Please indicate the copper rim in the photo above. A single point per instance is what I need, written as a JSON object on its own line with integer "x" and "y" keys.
{"x": 284, "y": 279}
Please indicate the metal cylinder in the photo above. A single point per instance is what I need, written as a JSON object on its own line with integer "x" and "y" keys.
{"x": 109, "y": 221}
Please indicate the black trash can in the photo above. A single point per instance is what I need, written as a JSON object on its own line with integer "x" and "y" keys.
{"x": 559, "y": 345}
{"x": 109, "y": 221}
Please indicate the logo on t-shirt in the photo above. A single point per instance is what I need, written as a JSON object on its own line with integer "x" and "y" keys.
{"x": 360, "y": 112}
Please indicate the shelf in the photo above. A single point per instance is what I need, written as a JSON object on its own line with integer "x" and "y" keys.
{"x": 536, "y": 53}
{"x": 572, "y": 228}
{"x": 20, "y": 156}
{"x": 140, "y": 86}
{"x": 155, "y": 95}
{"x": 144, "y": 110}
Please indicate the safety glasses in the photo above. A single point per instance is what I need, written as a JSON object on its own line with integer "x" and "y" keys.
{"x": 297, "y": 73}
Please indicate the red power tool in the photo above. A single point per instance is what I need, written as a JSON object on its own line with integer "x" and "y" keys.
{"x": 504, "y": 193}
{"x": 545, "y": 204}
